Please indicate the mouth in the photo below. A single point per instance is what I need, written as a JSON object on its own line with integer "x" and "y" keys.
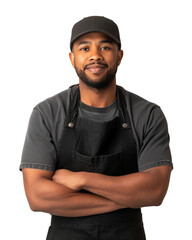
{"x": 96, "y": 68}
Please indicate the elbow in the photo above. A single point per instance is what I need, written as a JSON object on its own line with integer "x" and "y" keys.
{"x": 38, "y": 208}
{"x": 158, "y": 199}
{"x": 36, "y": 205}
{"x": 35, "y": 208}
{"x": 158, "y": 202}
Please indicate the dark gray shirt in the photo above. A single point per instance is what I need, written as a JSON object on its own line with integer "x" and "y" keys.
{"x": 47, "y": 123}
{"x": 98, "y": 114}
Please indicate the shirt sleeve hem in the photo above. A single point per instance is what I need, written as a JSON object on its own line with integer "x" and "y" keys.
{"x": 37, "y": 166}
{"x": 155, "y": 164}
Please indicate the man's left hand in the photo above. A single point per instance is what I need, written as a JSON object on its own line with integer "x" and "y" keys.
{"x": 68, "y": 178}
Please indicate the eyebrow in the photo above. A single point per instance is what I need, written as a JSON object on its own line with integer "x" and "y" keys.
{"x": 84, "y": 42}
{"x": 106, "y": 41}
{"x": 89, "y": 42}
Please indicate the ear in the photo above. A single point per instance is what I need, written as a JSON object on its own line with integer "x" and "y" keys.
{"x": 72, "y": 58}
{"x": 119, "y": 56}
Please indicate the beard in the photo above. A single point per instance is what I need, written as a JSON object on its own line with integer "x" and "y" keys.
{"x": 101, "y": 83}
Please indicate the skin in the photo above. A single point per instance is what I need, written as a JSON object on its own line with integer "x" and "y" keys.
{"x": 135, "y": 190}
{"x": 46, "y": 195}
{"x": 94, "y": 56}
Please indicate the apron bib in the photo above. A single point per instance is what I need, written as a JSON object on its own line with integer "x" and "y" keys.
{"x": 103, "y": 147}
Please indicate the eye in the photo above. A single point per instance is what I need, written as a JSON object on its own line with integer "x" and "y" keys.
{"x": 105, "y": 48}
{"x": 84, "y": 49}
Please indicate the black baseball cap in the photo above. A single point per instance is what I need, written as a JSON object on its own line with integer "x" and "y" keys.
{"x": 95, "y": 24}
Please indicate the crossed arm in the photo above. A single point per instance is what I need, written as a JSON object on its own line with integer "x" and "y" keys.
{"x": 59, "y": 193}
{"x": 46, "y": 195}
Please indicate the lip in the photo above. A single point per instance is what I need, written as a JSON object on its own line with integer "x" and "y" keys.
{"x": 96, "y": 68}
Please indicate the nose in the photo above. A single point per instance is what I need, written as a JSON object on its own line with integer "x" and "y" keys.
{"x": 95, "y": 55}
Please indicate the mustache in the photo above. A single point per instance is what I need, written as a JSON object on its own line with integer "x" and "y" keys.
{"x": 95, "y": 63}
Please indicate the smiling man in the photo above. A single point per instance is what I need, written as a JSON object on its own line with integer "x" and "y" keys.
{"x": 103, "y": 66}
{"x": 95, "y": 153}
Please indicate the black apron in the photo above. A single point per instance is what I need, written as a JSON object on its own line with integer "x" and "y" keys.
{"x": 103, "y": 147}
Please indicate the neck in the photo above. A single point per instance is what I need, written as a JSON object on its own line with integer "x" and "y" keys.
{"x": 97, "y": 97}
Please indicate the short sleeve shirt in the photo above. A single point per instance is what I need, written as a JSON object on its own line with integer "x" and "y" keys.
{"x": 46, "y": 126}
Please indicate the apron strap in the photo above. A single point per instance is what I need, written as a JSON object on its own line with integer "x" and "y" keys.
{"x": 124, "y": 116}
{"x": 72, "y": 106}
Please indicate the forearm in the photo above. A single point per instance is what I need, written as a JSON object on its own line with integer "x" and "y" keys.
{"x": 57, "y": 199}
{"x": 84, "y": 204}
{"x": 133, "y": 190}
{"x": 126, "y": 190}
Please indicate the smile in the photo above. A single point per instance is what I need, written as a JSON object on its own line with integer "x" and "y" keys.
{"x": 96, "y": 68}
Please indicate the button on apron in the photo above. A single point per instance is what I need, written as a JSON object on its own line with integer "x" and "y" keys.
{"x": 71, "y": 125}
{"x": 124, "y": 125}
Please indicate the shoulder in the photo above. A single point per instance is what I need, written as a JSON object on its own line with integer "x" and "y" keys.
{"x": 144, "y": 115}
{"x": 55, "y": 104}
{"x": 54, "y": 109}
{"x": 52, "y": 104}
{"x": 138, "y": 106}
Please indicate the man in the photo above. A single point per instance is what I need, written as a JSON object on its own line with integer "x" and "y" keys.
{"x": 96, "y": 153}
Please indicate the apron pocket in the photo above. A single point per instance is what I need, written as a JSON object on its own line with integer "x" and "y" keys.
{"x": 105, "y": 164}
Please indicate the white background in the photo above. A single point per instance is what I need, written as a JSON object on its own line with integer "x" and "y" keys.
{"x": 34, "y": 65}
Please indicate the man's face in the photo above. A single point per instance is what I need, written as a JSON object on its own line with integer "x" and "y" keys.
{"x": 95, "y": 58}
